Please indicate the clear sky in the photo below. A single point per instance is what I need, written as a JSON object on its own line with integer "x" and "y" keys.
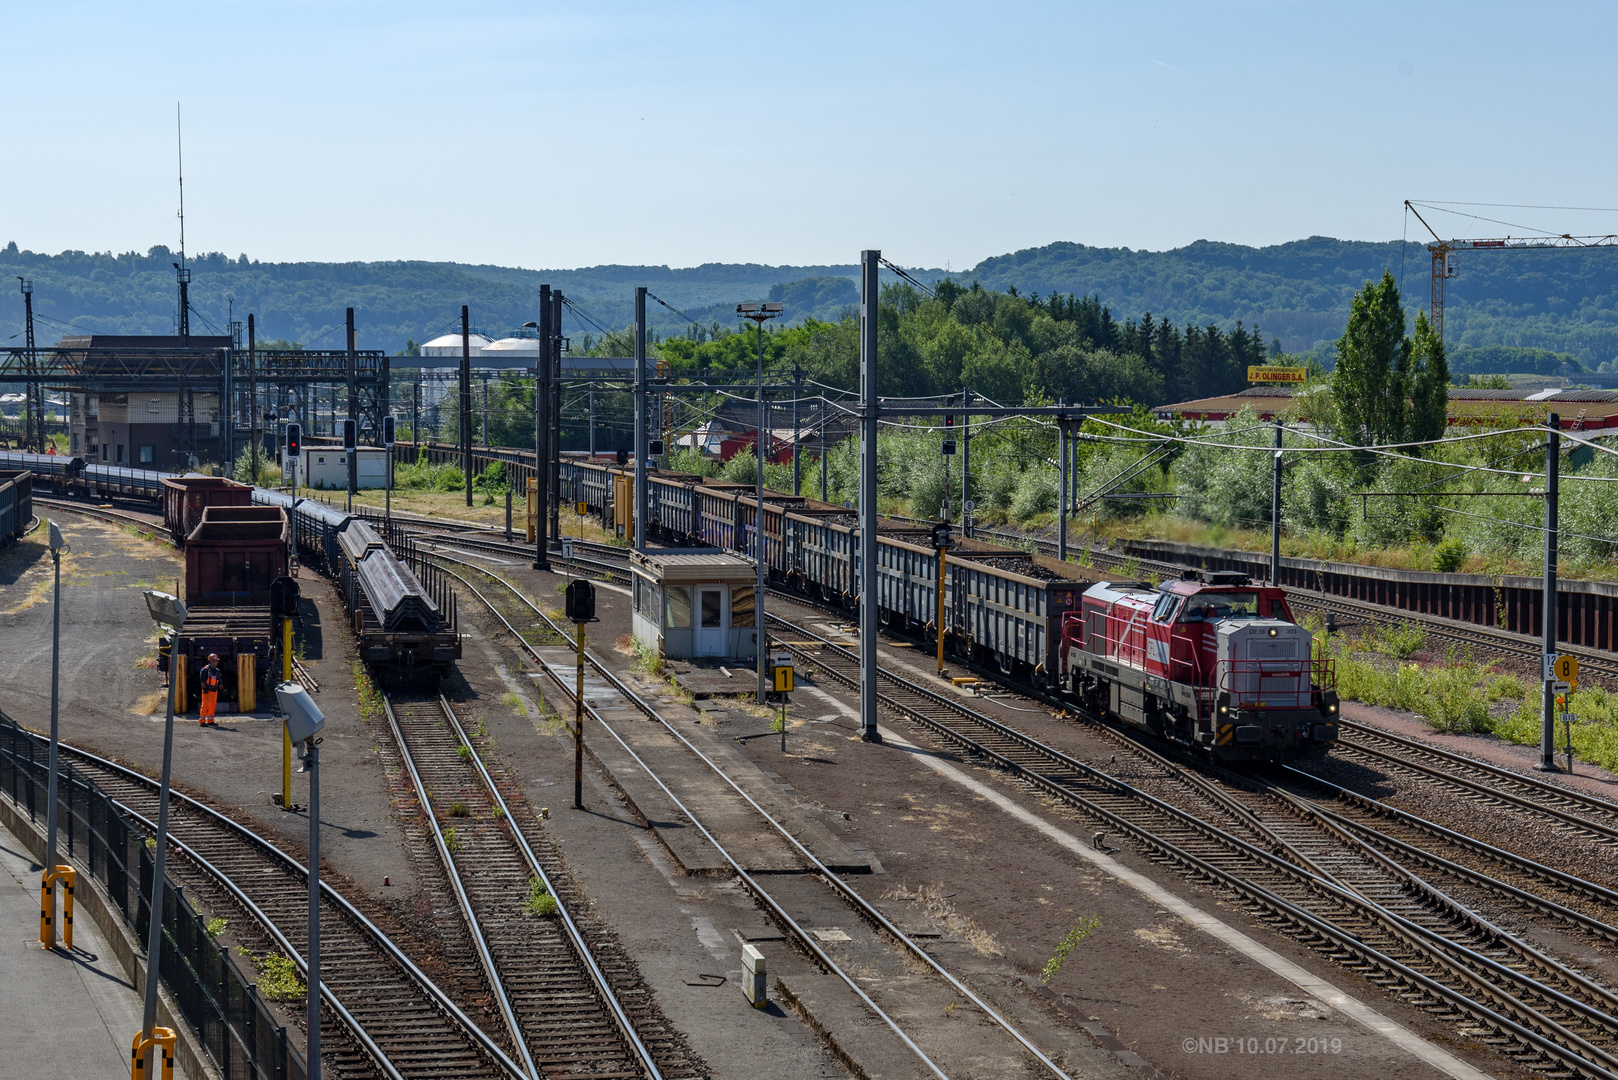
{"x": 561, "y": 135}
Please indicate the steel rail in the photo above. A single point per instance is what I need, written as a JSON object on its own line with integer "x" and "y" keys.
{"x": 1365, "y": 802}
{"x": 1468, "y": 874}
{"x": 434, "y": 993}
{"x": 575, "y": 935}
{"x": 484, "y": 956}
{"x": 327, "y": 994}
{"x": 1602, "y": 831}
{"x": 1549, "y": 1046}
{"x": 799, "y": 933}
{"x": 1511, "y": 775}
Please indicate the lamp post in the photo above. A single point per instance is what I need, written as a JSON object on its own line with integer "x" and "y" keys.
{"x": 304, "y": 722}
{"x": 760, "y": 314}
{"x": 47, "y": 926}
{"x": 167, "y": 611}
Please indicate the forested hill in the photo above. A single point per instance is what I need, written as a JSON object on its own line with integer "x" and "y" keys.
{"x": 1565, "y": 301}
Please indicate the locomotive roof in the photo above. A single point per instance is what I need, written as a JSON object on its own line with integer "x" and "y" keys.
{"x": 1186, "y": 587}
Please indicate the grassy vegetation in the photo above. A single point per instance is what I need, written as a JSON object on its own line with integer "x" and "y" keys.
{"x": 370, "y": 697}
{"x": 539, "y": 903}
{"x": 1086, "y": 926}
{"x": 277, "y": 977}
{"x": 1457, "y": 694}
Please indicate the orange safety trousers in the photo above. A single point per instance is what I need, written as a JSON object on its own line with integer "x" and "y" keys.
{"x": 210, "y": 699}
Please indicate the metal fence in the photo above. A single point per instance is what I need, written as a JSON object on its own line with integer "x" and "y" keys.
{"x": 222, "y": 1008}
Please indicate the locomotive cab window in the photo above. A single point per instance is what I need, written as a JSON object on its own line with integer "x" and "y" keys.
{"x": 1206, "y": 607}
{"x": 1164, "y": 609}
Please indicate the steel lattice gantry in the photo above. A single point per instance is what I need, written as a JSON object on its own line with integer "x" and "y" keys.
{"x": 287, "y": 377}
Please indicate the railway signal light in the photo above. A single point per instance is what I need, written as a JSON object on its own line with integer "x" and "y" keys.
{"x": 351, "y": 432}
{"x": 581, "y": 601}
{"x": 294, "y": 440}
{"x": 949, "y": 447}
{"x": 654, "y": 448}
{"x": 622, "y": 457}
{"x": 387, "y": 430}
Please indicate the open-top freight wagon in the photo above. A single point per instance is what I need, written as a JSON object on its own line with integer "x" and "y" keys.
{"x": 231, "y": 557}
{"x": 186, "y": 497}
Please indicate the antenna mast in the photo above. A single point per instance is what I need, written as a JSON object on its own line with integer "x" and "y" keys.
{"x": 182, "y": 273}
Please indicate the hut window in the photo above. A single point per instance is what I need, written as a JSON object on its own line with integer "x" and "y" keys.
{"x": 741, "y": 605}
{"x": 678, "y": 601}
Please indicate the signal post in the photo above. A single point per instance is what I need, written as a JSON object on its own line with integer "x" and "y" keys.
{"x": 580, "y": 609}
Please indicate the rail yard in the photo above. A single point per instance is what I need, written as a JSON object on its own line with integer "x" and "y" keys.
{"x": 1016, "y": 880}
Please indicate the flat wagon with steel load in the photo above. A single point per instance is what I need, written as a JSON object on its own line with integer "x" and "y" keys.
{"x": 402, "y": 605}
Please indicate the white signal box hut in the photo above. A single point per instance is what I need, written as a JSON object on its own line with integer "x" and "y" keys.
{"x": 325, "y": 468}
{"x": 695, "y": 604}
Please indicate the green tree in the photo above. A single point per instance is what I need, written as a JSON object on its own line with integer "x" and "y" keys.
{"x": 1370, "y": 383}
{"x": 1429, "y": 383}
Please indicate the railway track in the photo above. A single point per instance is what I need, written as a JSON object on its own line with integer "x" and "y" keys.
{"x": 1569, "y": 807}
{"x": 1317, "y": 883}
{"x": 561, "y": 1008}
{"x": 144, "y": 522}
{"x": 513, "y": 607}
{"x": 393, "y": 1020}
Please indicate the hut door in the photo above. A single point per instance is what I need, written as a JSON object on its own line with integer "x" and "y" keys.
{"x": 712, "y": 623}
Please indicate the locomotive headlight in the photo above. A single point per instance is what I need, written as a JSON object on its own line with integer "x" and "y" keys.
{"x": 1272, "y": 631}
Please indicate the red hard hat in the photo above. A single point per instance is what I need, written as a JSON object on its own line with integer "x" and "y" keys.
{"x": 213, "y": 656}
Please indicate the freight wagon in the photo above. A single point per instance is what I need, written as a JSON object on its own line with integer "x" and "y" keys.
{"x": 231, "y": 557}
{"x": 186, "y": 497}
{"x": 16, "y": 504}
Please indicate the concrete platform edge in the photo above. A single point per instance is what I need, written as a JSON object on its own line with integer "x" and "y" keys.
{"x": 190, "y": 1058}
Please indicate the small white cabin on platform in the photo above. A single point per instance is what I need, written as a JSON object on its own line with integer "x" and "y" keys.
{"x": 695, "y": 604}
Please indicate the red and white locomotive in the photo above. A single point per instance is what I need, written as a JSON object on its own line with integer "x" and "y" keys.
{"x": 1209, "y": 660}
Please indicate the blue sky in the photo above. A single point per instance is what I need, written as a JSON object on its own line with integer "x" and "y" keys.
{"x": 552, "y": 135}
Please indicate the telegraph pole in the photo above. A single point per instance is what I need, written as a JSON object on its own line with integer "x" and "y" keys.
{"x": 868, "y": 430}
{"x": 1553, "y": 454}
{"x": 639, "y": 511}
{"x": 824, "y": 494}
{"x": 34, "y": 422}
{"x": 1061, "y": 492}
{"x": 542, "y": 433}
{"x": 466, "y": 400}
{"x": 797, "y": 392}
{"x": 1275, "y": 513}
{"x": 554, "y": 498}
{"x": 353, "y": 412}
{"x": 252, "y": 392}
{"x": 966, "y": 461}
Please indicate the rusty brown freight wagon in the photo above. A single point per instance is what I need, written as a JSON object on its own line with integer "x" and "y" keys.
{"x": 186, "y": 497}
{"x": 233, "y": 554}
{"x": 231, "y": 557}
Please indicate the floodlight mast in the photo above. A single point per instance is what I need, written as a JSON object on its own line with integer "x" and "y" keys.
{"x": 169, "y": 611}
{"x": 760, "y": 314}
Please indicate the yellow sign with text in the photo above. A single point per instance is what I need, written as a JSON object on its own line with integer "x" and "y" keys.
{"x": 1277, "y": 374}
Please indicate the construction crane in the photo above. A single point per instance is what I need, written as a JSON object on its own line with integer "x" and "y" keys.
{"x": 1443, "y": 255}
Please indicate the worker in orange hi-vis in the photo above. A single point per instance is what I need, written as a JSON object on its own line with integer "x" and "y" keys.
{"x": 210, "y": 681}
